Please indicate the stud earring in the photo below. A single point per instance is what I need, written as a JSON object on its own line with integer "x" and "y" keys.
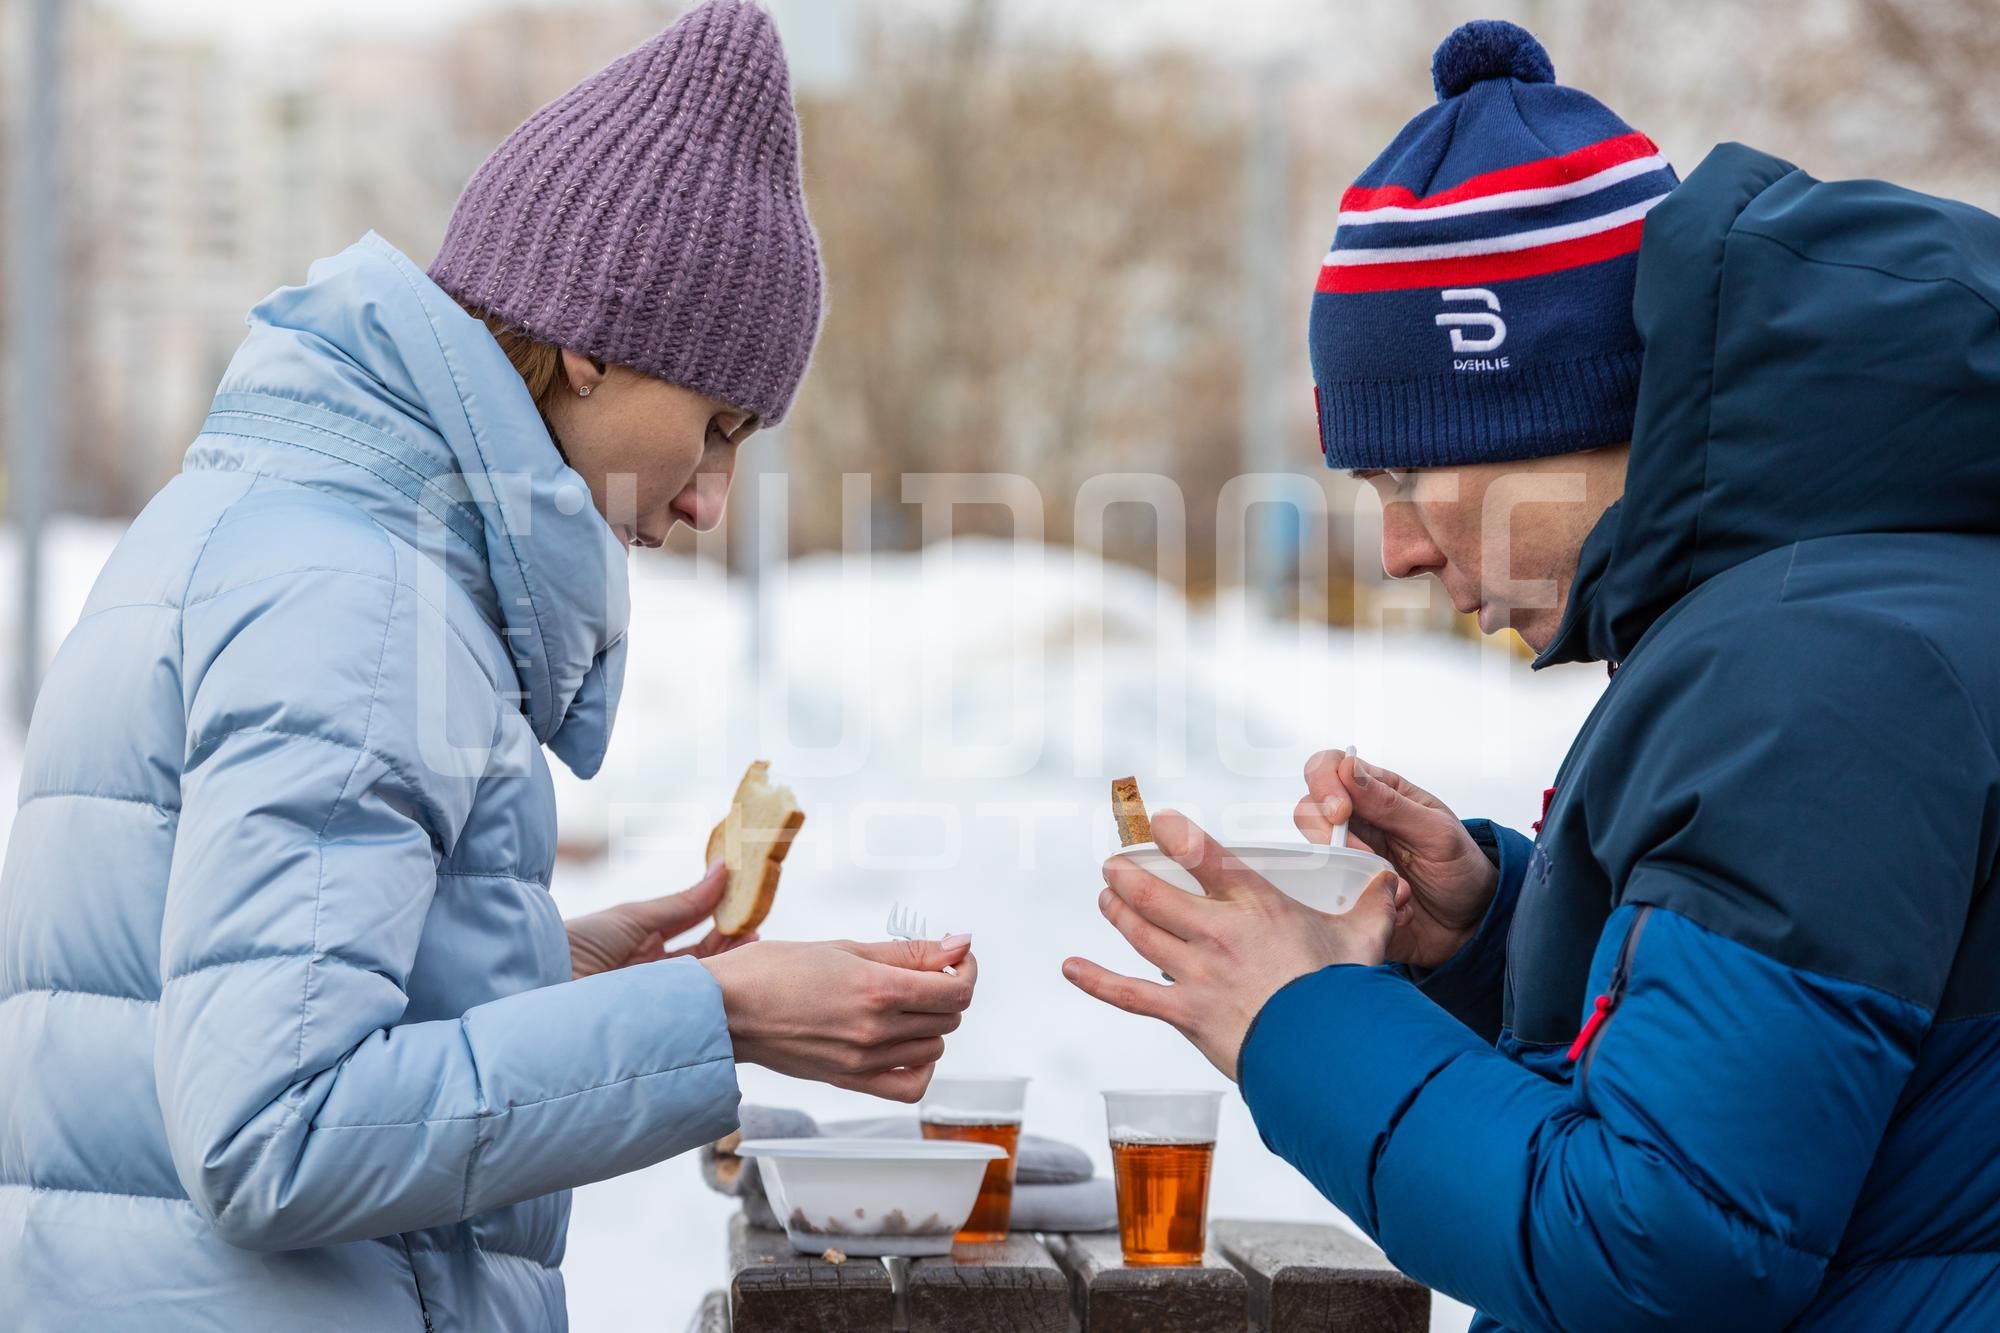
{"x": 583, "y": 391}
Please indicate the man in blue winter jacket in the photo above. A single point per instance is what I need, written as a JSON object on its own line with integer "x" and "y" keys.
{"x": 1721, "y": 1046}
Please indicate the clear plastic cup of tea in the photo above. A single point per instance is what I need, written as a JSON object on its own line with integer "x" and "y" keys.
{"x": 981, "y": 1110}
{"x": 1162, "y": 1149}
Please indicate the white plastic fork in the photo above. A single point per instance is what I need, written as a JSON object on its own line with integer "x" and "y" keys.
{"x": 905, "y": 924}
{"x": 1339, "y": 838}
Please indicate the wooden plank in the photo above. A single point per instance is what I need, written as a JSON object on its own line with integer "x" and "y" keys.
{"x": 1108, "y": 1297}
{"x": 1015, "y": 1287}
{"x": 775, "y": 1290}
{"x": 1305, "y": 1277}
{"x": 713, "y": 1316}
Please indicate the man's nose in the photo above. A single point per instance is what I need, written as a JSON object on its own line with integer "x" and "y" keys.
{"x": 1407, "y": 550}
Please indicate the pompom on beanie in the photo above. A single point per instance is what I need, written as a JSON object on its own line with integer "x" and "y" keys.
{"x": 1476, "y": 305}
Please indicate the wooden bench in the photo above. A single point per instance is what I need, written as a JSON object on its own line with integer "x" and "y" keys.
{"x": 1259, "y": 1277}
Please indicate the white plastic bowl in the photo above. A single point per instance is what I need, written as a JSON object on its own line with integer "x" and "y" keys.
{"x": 1327, "y": 878}
{"x": 871, "y": 1196}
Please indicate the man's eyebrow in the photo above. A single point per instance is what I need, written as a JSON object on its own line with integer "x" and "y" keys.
{"x": 1363, "y": 473}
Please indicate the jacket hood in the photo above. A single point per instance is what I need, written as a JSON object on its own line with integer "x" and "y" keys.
{"x": 1821, "y": 359}
{"x": 371, "y": 383}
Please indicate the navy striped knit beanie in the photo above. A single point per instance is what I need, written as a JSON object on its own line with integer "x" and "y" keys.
{"x": 1476, "y": 306}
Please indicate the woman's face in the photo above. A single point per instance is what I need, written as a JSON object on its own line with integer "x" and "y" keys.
{"x": 653, "y": 454}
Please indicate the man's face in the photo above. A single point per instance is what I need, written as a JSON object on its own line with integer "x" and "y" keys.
{"x": 1503, "y": 538}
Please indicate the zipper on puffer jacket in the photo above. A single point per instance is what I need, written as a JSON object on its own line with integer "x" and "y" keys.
{"x": 418, "y": 1283}
{"x": 1585, "y": 1045}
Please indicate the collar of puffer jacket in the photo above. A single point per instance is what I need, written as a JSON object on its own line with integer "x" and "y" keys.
{"x": 1822, "y": 360}
{"x": 432, "y": 431}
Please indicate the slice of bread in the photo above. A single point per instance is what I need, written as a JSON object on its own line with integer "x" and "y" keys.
{"x": 753, "y": 839}
{"x": 1130, "y": 812}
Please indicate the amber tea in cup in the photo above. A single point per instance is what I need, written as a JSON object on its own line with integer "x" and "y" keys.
{"x": 982, "y": 1110}
{"x": 1162, "y": 1149}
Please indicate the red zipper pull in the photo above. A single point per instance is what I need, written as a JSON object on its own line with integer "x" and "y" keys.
{"x": 1590, "y": 1026}
{"x": 1548, "y": 799}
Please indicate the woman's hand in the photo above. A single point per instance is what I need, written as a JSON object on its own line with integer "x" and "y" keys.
{"x": 1229, "y": 952}
{"x": 638, "y": 932}
{"x": 866, "y": 1017}
{"x": 1447, "y": 881}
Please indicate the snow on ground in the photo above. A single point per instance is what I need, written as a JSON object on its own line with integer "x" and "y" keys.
{"x": 951, "y": 720}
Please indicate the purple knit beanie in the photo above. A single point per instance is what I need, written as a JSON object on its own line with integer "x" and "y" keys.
{"x": 652, "y": 217}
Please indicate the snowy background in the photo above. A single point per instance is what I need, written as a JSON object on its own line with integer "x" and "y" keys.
{"x": 950, "y": 720}
{"x": 1064, "y": 240}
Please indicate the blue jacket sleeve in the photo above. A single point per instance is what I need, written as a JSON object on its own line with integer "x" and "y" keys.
{"x": 1702, "y": 1167}
{"x": 1468, "y": 985}
{"x": 300, "y": 1108}
{"x": 1699, "y": 1167}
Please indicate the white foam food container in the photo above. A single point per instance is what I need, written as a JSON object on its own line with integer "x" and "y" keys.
{"x": 1329, "y": 879}
{"x": 871, "y": 1196}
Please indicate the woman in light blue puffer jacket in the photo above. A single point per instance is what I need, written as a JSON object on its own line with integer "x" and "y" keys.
{"x": 289, "y": 1035}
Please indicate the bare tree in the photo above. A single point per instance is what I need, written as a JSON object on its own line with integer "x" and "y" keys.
{"x": 1030, "y": 257}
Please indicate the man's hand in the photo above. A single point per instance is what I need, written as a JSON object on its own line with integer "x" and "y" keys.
{"x": 1447, "y": 882}
{"x": 866, "y": 1017}
{"x": 1229, "y": 952}
{"x": 638, "y": 932}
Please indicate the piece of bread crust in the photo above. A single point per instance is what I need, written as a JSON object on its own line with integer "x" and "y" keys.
{"x": 752, "y": 840}
{"x": 1130, "y": 812}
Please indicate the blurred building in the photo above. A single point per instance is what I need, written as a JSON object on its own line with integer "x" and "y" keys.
{"x": 168, "y": 227}
{"x": 199, "y": 182}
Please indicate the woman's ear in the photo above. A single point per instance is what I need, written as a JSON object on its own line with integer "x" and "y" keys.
{"x": 583, "y": 372}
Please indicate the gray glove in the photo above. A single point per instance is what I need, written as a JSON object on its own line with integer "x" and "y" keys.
{"x": 1080, "y": 1205}
{"x": 726, "y": 1173}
